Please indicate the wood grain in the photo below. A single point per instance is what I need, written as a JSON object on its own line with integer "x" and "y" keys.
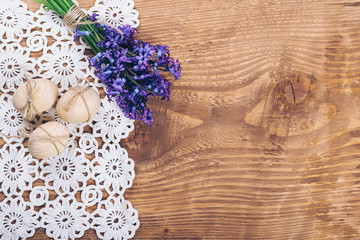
{"x": 261, "y": 137}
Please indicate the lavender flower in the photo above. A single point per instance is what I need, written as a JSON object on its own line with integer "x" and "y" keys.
{"x": 132, "y": 70}
{"x": 93, "y": 17}
{"x": 78, "y": 33}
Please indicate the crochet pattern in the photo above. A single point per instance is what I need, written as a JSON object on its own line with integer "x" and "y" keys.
{"x": 95, "y": 172}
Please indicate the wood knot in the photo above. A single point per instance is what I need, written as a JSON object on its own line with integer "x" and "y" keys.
{"x": 294, "y": 92}
{"x": 295, "y": 89}
{"x": 293, "y": 106}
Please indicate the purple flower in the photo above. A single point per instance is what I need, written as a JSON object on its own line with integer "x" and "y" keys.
{"x": 118, "y": 84}
{"x": 142, "y": 62}
{"x": 93, "y": 17}
{"x": 147, "y": 118}
{"x": 162, "y": 51}
{"x": 118, "y": 68}
{"x": 132, "y": 70}
{"x": 175, "y": 69}
{"x": 121, "y": 56}
{"x": 94, "y": 61}
{"x": 107, "y": 54}
{"x": 128, "y": 31}
{"x": 78, "y": 33}
{"x": 147, "y": 49}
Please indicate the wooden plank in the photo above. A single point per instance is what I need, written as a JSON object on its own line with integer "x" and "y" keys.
{"x": 261, "y": 137}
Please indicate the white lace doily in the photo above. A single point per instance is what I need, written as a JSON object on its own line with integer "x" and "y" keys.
{"x": 97, "y": 171}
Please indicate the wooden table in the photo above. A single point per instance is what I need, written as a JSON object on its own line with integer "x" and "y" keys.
{"x": 261, "y": 138}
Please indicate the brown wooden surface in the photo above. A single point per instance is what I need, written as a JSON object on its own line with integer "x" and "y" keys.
{"x": 261, "y": 138}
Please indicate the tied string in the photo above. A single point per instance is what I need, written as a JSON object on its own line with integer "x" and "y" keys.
{"x": 48, "y": 137}
{"x": 75, "y": 15}
{"x": 51, "y": 138}
{"x": 29, "y": 110}
{"x": 78, "y": 91}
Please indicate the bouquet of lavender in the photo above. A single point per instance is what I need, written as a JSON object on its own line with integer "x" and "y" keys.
{"x": 132, "y": 70}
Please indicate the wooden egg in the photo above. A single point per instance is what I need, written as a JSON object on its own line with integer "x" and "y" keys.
{"x": 78, "y": 105}
{"x": 48, "y": 140}
{"x": 43, "y": 96}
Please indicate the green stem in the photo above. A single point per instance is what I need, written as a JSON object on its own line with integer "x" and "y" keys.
{"x": 96, "y": 35}
{"x": 46, "y": 4}
{"x": 92, "y": 30}
{"x": 59, "y": 10}
{"x": 92, "y": 44}
{"x": 63, "y": 6}
{"x": 68, "y": 4}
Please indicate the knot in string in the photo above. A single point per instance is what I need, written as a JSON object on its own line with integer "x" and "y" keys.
{"x": 29, "y": 110}
{"x": 51, "y": 138}
{"x": 78, "y": 91}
